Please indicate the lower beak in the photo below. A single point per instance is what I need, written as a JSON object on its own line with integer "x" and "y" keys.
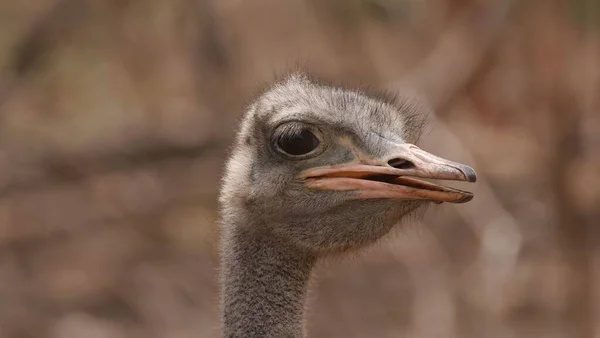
{"x": 398, "y": 177}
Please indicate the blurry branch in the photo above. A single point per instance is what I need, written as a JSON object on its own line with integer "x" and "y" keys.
{"x": 211, "y": 47}
{"x": 17, "y": 178}
{"x": 23, "y": 166}
{"x": 67, "y": 17}
{"x": 443, "y": 75}
{"x": 459, "y": 53}
{"x": 450, "y": 67}
{"x": 574, "y": 230}
{"x": 497, "y": 230}
{"x": 45, "y": 34}
{"x": 105, "y": 197}
{"x": 576, "y": 224}
{"x": 428, "y": 267}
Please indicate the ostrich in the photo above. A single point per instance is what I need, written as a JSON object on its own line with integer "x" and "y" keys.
{"x": 315, "y": 170}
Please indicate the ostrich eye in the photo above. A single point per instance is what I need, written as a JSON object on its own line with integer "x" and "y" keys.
{"x": 297, "y": 142}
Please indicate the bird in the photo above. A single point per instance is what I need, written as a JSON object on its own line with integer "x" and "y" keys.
{"x": 316, "y": 169}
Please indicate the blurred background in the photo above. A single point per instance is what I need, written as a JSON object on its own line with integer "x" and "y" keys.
{"x": 116, "y": 117}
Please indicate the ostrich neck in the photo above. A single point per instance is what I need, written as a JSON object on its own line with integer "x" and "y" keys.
{"x": 264, "y": 284}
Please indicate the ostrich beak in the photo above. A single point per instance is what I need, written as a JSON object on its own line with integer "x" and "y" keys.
{"x": 395, "y": 177}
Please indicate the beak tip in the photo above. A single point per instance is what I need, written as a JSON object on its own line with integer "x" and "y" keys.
{"x": 466, "y": 198}
{"x": 470, "y": 174}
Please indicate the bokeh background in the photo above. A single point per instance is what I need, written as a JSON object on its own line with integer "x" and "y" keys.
{"x": 116, "y": 117}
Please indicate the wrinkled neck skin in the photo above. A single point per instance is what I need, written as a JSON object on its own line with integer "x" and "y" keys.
{"x": 264, "y": 283}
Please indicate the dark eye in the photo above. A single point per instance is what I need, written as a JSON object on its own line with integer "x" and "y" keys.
{"x": 298, "y": 142}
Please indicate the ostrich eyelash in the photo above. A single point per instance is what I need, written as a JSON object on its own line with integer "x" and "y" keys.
{"x": 289, "y": 130}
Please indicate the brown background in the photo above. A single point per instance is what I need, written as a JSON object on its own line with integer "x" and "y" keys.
{"x": 115, "y": 118}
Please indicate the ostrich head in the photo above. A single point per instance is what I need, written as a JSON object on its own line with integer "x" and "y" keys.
{"x": 328, "y": 169}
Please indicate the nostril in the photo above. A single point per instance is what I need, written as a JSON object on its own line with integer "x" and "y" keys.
{"x": 400, "y": 163}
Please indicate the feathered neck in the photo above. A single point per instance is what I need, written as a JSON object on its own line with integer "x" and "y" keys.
{"x": 264, "y": 283}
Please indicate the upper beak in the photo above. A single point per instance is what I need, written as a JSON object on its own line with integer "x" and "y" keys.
{"x": 394, "y": 177}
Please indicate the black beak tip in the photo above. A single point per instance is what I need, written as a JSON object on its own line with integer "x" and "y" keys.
{"x": 466, "y": 198}
{"x": 470, "y": 174}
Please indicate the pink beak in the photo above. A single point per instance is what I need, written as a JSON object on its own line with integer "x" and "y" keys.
{"x": 395, "y": 178}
